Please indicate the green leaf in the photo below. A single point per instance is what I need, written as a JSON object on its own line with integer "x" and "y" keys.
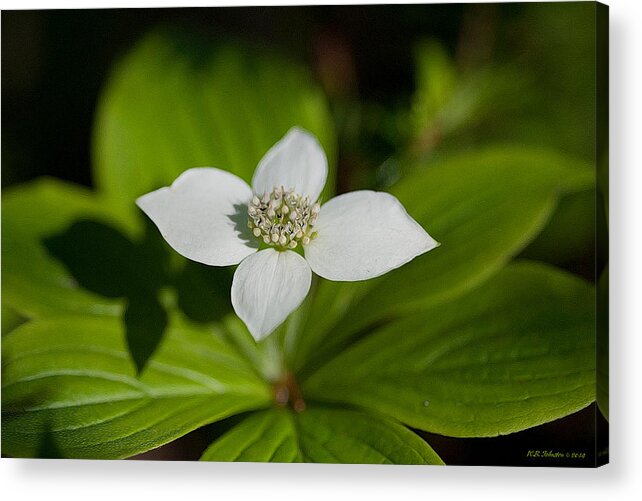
{"x": 267, "y": 436}
{"x": 103, "y": 260}
{"x": 10, "y": 319}
{"x": 321, "y": 435}
{"x": 172, "y": 104}
{"x": 483, "y": 207}
{"x": 570, "y": 233}
{"x": 72, "y": 377}
{"x": 436, "y": 81}
{"x": 514, "y": 353}
{"x": 34, "y": 283}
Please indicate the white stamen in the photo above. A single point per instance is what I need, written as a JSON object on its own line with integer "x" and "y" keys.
{"x": 283, "y": 219}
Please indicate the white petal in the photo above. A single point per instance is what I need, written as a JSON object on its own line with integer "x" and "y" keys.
{"x": 296, "y": 162}
{"x": 364, "y": 234}
{"x": 203, "y": 216}
{"x": 267, "y": 287}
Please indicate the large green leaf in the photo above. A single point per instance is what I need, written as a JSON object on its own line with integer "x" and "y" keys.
{"x": 72, "y": 378}
{"x": 34, "y": 283}
{"x": 172, "y": 104}
{"x": 483, "y": 207}
{"x": 321, "y": 435}
{"x": 514, "y": 353}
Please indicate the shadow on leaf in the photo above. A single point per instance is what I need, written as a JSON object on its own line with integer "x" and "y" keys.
{"x": 104, "y": 261}
{"x": 48, "y": 448}
{"x": 204, "y": 291}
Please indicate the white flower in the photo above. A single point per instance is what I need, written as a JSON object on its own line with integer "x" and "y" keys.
{"x": 213, "y": 217}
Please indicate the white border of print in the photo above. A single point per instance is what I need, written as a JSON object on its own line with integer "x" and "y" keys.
{"x": 120, "y": 480}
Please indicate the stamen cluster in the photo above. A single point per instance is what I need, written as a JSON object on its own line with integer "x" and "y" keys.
{"x": 283, "y": 219}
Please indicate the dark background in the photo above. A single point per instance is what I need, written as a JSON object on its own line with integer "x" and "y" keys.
{"x": 54, "y": 64}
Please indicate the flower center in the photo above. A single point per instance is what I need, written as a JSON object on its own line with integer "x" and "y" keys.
{"x": 283, "y": 219}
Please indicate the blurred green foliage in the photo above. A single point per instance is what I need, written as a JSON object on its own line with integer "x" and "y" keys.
{"x": 175, "y": 102}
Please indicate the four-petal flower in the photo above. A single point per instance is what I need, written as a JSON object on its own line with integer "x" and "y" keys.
{"x": 213, "y": 217}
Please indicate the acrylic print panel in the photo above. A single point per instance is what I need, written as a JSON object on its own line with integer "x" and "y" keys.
{"x": 338, "y": 234}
